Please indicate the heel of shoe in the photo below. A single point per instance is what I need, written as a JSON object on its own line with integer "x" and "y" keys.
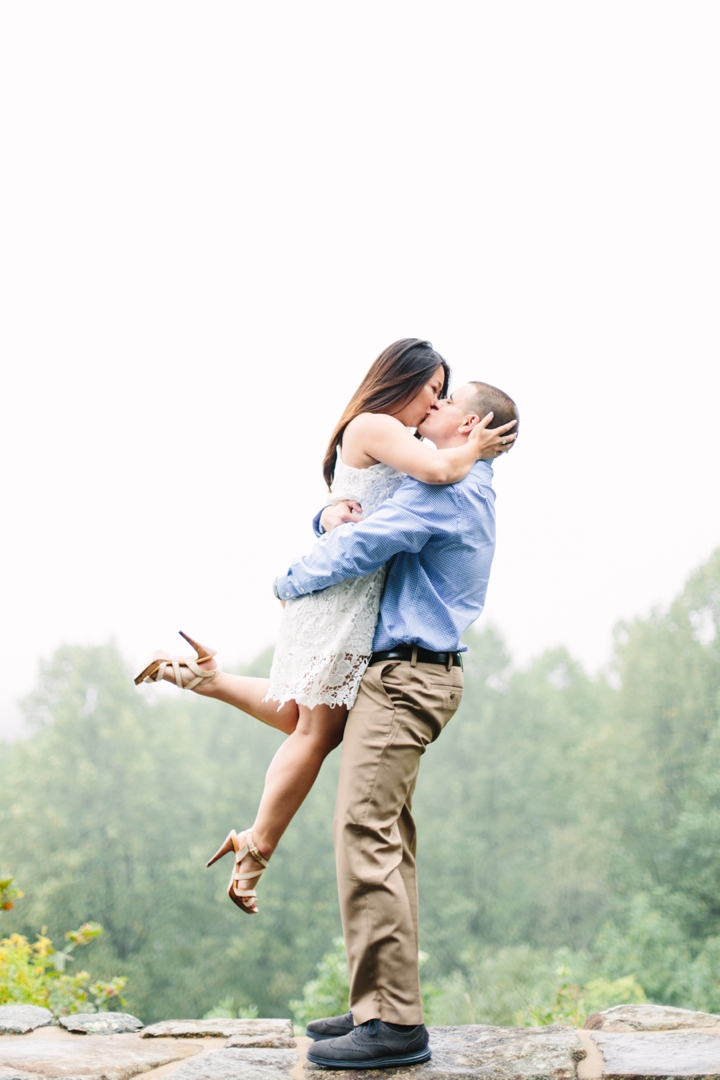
{"x": 202, "y": 652}
{"x": 230, "y": 844}
{"x": 154, "y": 670}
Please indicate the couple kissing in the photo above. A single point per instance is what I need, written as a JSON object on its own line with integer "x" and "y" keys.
{"x": 369, "y": 655}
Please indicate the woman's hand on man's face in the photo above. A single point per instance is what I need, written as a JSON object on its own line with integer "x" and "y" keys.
{"x": 340, "y": 513}
{"x": 491, "y": 442}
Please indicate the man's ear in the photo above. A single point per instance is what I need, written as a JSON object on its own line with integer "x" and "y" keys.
{"x": 468, "y": 424}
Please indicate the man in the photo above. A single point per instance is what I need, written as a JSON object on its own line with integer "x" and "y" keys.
{"x": 440, "y": 542}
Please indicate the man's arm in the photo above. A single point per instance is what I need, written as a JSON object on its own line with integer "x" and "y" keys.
{"x": 406, "y": 522}
{"x": 316, "y": 526}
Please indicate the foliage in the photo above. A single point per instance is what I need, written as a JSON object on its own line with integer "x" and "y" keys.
{"x": 34, "y": 973}
{"x": 569, "y": 834}
{"x": 502, "y": 819}
{"x": 572, "y": 1003}
{"x": 8, "y": 894}
{"x": 228, "y": 1008}
{"x": 523, "y": 987}
{"x": 327, "y": 994}
{"x": 516, "y": 986}
{"x": 136, "y": 789}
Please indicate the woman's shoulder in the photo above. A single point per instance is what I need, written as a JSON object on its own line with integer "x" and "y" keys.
{"x": 369, "y": 422}
{"x": 368, "y": 430}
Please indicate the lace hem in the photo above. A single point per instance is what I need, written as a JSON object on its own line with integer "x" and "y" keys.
{"x": 332, "y": 681}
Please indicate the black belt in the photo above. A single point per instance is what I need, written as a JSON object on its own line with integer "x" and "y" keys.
{"x": 423, "y": 656}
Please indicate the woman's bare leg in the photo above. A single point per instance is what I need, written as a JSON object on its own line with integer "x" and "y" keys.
{"x": 245, "y": 693}
{"x": 292, "y": 773}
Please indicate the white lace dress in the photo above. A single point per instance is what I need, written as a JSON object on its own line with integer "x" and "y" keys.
{"x": 325, "y": 638}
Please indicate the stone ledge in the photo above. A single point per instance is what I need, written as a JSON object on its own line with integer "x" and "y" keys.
{"x": 270, "y": 1034}
{"x": 19, "y": 1019}
{"x": 688, "y": 1048}
{"x": 239, "y": 1064}
{"x": 493, "y": 1053}
{"x": 87, "y": 1057}
{"x": 658, "y": 1054}
{"x": 650, "y": 1018}
{"x": 100, "y": 1023}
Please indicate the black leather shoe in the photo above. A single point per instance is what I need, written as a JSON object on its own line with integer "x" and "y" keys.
{"x": 330, "y": 1028}
{"x": 373, "y": 1045}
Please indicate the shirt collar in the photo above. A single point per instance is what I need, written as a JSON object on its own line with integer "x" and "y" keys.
{"x": 483, "y": 467}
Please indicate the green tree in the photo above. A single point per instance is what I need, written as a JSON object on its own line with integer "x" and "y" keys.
{"x": 501, "y": 810}
{"x": 570, "y": 820}
{"x": 112, "y": 807}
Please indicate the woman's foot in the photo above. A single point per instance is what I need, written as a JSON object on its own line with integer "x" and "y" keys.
{"x": 248, "y": 864}
{"x": 245, "y": 874}
{"x": 207, "y": 665}
{"x": 208, "y": 685}
{"x": 187, "y": 672}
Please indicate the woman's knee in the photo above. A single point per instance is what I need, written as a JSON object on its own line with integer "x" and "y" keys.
{"x": 334, "y": 738}
{"x": 326, "y": 740}
{"x": 321, "y": 737}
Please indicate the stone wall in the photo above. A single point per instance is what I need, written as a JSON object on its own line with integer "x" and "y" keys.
{"x": 629, "y": 1042}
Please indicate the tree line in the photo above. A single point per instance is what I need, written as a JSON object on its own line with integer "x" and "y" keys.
{"x": 569, "y": 834}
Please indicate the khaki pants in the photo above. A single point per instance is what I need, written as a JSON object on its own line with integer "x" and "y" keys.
{"x": 400, "y": 709}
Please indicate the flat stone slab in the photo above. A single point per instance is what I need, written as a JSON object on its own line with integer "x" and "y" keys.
{"x": 108, "y": 1057}
{"x": 272, "y": 1041}
{"x": 493, "y": 1053}
{"x": 650, "y": 1018}
{"x": 260, "y": 1033}
{"x": 667, "y": 1054}
{"x": 478, "y": 1052}
{"x": 239, "y": 1064}
{"x": 100, "y": 1023}
{"x": 19, "y": 1019}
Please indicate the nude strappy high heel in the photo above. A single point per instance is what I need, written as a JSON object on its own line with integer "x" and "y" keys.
{"x": 246, "y": 899}
{"x": 186, "y": 670}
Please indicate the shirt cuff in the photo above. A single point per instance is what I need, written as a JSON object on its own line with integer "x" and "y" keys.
{"x": 317, "y": 527}
{"x": 284, "y": 589}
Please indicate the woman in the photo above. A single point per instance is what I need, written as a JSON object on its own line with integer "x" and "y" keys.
{"x": 325, "y": 639}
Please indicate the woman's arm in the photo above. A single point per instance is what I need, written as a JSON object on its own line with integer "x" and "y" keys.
{"x": 382, "y": 438}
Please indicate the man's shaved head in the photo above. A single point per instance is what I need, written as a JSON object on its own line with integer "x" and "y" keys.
{"x": 481, "y": 398}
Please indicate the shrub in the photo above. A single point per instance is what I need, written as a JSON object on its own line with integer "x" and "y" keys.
{"x": 525, "y": 987}
{"x": 34, "y": 973}
{"x": 328, "y": 994}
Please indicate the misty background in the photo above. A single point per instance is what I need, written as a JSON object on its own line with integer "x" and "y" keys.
{"x": 213, "y": 218}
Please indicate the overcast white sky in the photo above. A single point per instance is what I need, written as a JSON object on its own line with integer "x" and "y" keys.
{"x": 214, "y": 216}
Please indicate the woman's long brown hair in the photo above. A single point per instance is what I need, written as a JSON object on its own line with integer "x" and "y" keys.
{"x": 397, "y": 376}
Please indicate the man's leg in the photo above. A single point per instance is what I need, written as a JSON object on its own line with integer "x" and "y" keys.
{"x": 408, "y": 835}
{"x": 400, "y": 709}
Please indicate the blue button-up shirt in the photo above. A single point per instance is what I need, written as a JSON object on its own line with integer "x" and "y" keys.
{"x": 439, "y": 541}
